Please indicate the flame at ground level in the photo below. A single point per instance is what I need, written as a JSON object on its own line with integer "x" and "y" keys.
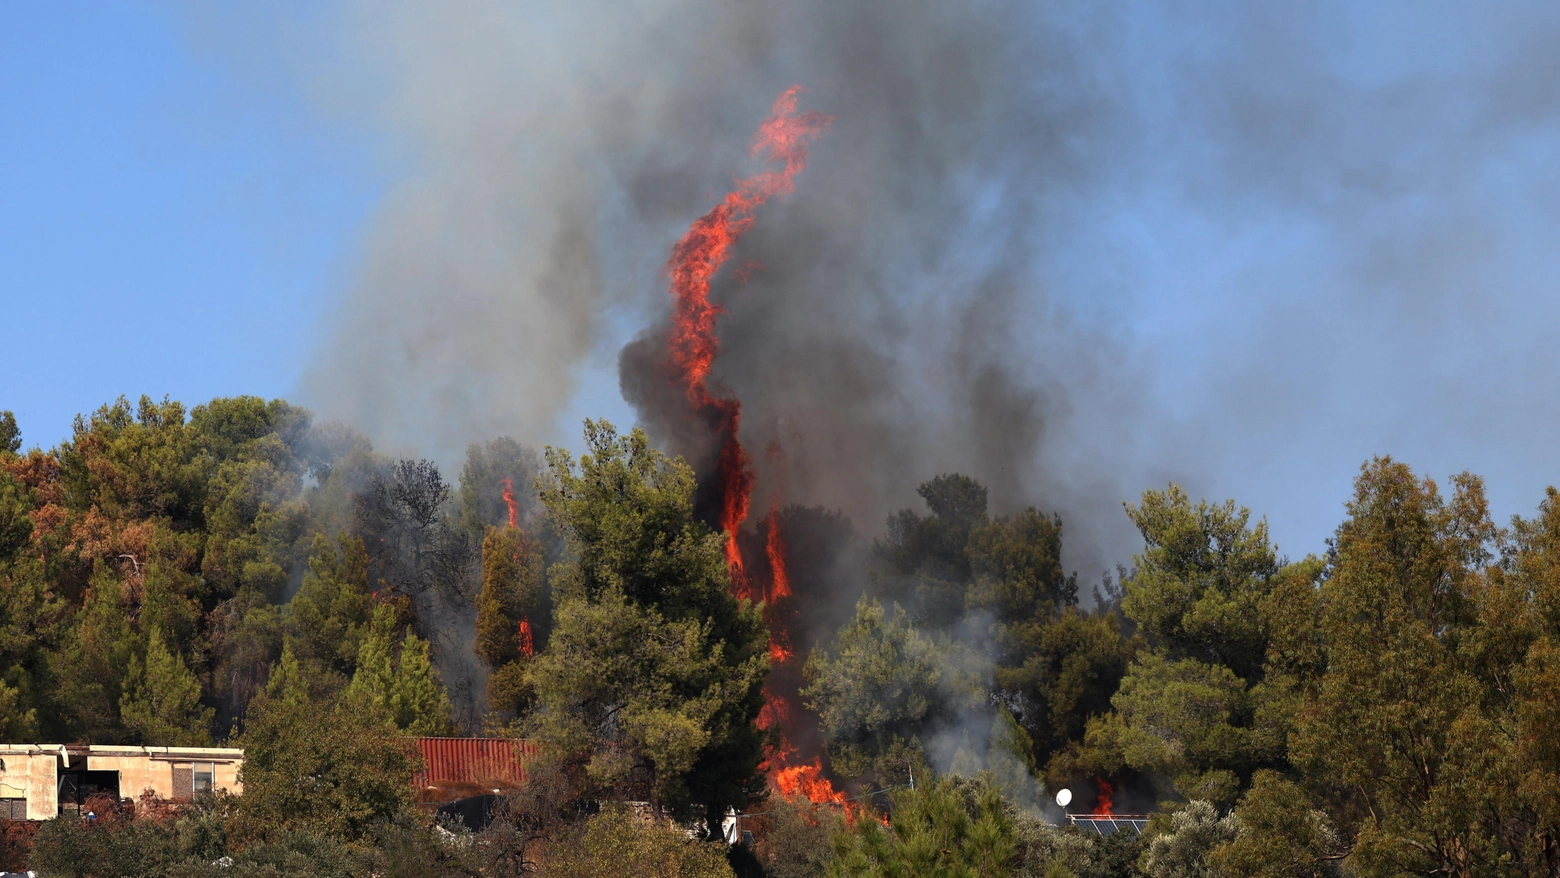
{"x": 806, "y": 778}
{"x": 1102, "y": 801}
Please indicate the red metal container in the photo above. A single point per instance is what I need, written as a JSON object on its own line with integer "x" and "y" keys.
{"x": 486, "y": 763}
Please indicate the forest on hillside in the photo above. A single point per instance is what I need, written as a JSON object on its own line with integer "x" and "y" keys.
{"x": 239, "y": 573}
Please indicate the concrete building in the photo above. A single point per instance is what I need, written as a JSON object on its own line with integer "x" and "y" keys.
{"x": 39, "y": 781}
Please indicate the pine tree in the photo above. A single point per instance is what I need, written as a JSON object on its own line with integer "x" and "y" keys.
{"x": 948, "y": 827}
{"x": 10, "y": 434}
{"x": 397, "y": 677}
{"x": 511, "y": 616}
{"x": 17, "y": 723}
{"x": 330, "y": 613}
{"x": 161, "y": 702}
{"x": 418, "y": 700}
{"x": 884, "y": 685}
{"x": 653, "y": 671}
{"x": 288, "y": 683}
{"x": 91, "y": 665}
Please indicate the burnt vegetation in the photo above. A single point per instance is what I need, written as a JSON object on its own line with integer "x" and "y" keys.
{"x": 236, "y": 573}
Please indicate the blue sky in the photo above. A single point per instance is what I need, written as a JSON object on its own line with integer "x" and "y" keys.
{"x": 164, "y": 227}
{"x": 1321, "y": 235}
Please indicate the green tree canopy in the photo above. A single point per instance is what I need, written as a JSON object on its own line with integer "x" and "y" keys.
{"x": 617, "y": 839}
{"x": 395, "y": 676}
{"x": 161, "y": 701}
{"x": 10, "y": 434}
{"x": 653, "y": 671}
{"x": 16, "y": 524}
{"x": 512, "y": 616}
{"x": 883, "y": 686}
{"x": 1191, "y": 708}
{"x": 329, "y": 615}
{"x": 332, "y": 768}
{"x": 1200, "y": 580}
{"x": 941, "y": 828}
{"x": 1414, "y": 732}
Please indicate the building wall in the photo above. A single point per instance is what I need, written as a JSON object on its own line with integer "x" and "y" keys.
{"x": 151, "y": 768}
{"x": 32, "y": 770}
{"x": 43, "y": 791}
{"x": 227, "y": 776}
{"x": 30, "y": 773}
{"x": 136, "y": 774}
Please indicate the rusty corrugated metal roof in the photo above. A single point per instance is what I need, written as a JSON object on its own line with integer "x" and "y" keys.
{"x": 489, "y": 762}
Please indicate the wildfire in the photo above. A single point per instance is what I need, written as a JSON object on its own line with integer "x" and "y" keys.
{"x": 1102, "y": 801}
{"x": 509, "y": 500}
{"x": 781, "y": 140}
{"x": 806, "y": 778}
{"x": 699, "y": 255}
{"x": 779, "y": 647}
{"x": 774, "y": 547}
{"x": 695, "y": 260}
{"x": 523, "y": 637}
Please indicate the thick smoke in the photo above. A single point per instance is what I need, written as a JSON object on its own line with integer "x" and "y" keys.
{"x": 1070, "y": 249}
{"x": 900, "y": 324}
{"x": 890, "y": 320}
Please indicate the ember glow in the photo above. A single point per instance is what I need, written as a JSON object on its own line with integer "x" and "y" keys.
{"x": 695, "y": 261}
{"x": 523, "y": 637}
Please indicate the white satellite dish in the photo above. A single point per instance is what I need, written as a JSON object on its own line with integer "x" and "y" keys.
{"x": 1063, "y": 797}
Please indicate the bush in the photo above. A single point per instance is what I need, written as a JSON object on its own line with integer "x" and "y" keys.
{"x": 336, "y": 771}
{"x": 116, "y": 844}
{"x": 16, "y": 844}
{"x": 948, "y": 827}
{"x": 616, "y": 839}
{"x": 793, "y": 836}
{"x": 1195, "y": 830}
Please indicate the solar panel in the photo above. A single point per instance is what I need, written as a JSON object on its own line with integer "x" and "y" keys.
{"x": 1105, "y": 824}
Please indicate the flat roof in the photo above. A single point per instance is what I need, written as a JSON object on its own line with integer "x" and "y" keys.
{"x": 214, "y": 753}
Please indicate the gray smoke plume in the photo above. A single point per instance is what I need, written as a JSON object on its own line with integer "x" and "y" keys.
{"x": 901, "y": 323}
{"x": 1070, "y": 249}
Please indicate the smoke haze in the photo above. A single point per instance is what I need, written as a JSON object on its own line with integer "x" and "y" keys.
{"x": 1071, "y": 250}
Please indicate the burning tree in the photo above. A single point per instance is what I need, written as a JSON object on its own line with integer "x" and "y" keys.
{"x": 757, "y": 569}
{"x": 513, "y": 594}
{"x": 652, "y": 674}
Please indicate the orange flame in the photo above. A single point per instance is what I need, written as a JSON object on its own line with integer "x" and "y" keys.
{"x": 1102, "y": 802}
{"x": 779, "y": 647}
{"x": 695, "y": 260}
{"x": 774, "y": 547}
{"x": 523, "y": 636}
{"x": 707, "y": 245}
{"x": 509, "y": 500}
{"x": 807, "y": 778}
{"x": 779, "y": 587}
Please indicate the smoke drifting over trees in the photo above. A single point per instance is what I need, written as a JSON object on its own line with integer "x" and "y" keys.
{"x": 1045, "y": 257}
{"x": 901, "y": 320}
{"x": 1072, "y": 251}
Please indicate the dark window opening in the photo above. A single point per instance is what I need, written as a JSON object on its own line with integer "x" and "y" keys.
{"x": 76, "y": 787}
